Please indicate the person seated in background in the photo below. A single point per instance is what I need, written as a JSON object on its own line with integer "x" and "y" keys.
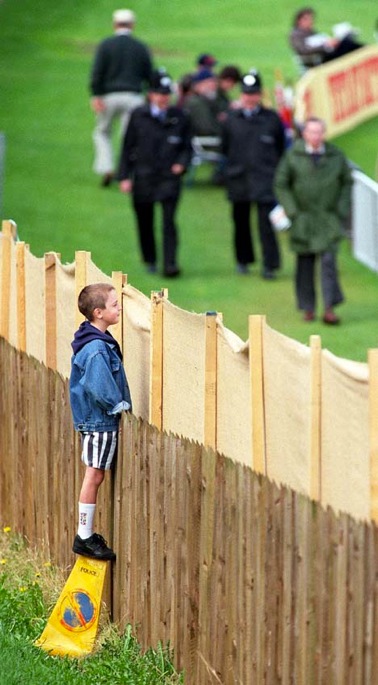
{"x": 311, "y": 47}
{"x": 228, "y": 77}
{"x": 345, "y": 35}
{"x": 202, "y": 104}
{"x": 183, "y": 89}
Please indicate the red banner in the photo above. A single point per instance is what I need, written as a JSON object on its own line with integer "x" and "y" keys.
{"x": 343, "y": 92}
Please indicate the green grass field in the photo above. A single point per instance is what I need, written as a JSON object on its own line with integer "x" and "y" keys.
{"x": 29, "y": 589}
{"x": 54, "y": 197}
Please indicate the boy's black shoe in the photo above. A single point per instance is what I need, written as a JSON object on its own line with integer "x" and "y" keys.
{"x": 94, "y": 547}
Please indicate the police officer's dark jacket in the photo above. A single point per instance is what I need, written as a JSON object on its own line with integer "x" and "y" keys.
{"x": 151, "y": 147}
{"x": 253, "y": 146}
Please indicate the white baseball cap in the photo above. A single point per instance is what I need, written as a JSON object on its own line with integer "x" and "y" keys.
{"x": 124, "y": 17}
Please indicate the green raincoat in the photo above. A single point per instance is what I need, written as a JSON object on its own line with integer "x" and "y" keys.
{"x": 316, "y": 197}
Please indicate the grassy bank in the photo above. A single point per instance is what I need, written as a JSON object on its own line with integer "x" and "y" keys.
{"x": 29, "y": 587}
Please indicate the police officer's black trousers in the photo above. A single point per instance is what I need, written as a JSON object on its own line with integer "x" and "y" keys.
{"x": 145, "y": 220}
{"x": 243, "y": 241}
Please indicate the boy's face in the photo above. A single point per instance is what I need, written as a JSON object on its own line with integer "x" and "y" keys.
{"x": 110, "y": 314}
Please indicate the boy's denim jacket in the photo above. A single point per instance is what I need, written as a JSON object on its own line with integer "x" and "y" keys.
{"x": 99, "y": 391}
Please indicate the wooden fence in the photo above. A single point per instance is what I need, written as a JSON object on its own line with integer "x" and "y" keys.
{"x": 295, "y": 413}
{"x": 252, "y": 583}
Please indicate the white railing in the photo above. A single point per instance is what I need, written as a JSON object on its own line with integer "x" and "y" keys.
{"x": 365, "y": 220}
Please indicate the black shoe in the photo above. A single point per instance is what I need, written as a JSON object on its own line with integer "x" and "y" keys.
{"x": 151, "y": 268}
{"x": 268, "y": 274}
{"x": 107, "y": 179}
{"x": 172, "y": 271}
{"x": 94, "y": 547}
{"x": 242, "y": 269}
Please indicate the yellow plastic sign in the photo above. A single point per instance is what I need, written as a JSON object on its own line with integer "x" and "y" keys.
{"x": 72, "y": 627}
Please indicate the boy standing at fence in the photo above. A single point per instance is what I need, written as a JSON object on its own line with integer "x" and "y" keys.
{"x": 99, "y": 393}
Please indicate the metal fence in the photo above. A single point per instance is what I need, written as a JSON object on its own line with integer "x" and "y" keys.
{"x": 365, "y": 220}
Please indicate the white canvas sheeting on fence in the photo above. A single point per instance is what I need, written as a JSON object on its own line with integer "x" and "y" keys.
{"x": 287, "y": 398}
{"x": 136, "y": 348}
{"x": 35, "y": 306}
{"x": 234, "y": 427}
{"x": 66, "y": 315}
{"x": 345, "y": 470}
{"x": 183, "y": 372}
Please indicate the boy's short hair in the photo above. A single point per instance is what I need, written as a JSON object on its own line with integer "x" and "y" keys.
{"x": 92, "y": 297}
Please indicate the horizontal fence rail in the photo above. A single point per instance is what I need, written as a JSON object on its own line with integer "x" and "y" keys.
{"x": 250, "y": 582}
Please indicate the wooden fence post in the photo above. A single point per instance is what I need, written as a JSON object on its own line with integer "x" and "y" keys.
{"x": 373, "y": 431}
{"x": 156, "y": 358}
{"x": 81, "y": 273}
{"x": 9, "y": 231}
{"x": 210, "y": 419}
{"x": 315, "y": 418}
{"x": 21, "y": 296}
{"x": 256, "y": 370}
{"x": 119, "y": 280}
{"x": 50, "y": 310}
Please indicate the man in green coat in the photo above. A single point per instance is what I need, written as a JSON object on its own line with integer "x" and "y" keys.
{"x": 313, "y": 184}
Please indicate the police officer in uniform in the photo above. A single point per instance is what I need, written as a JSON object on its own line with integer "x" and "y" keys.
{"x": 253, "y": 141}
{"x": 156, "y": 153}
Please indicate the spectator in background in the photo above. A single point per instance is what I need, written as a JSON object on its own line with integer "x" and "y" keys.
{"x": 184, "y": 89}
{"x": 228, "y": 77}
{"x": 253, "y": 141}
{"x": 121, "y": 68}
{"x": 202, "y": 105}
{"x": 156, "y": 152}
{"x": 346, "y": 36}
{"x": 206, "y": 61}
{"x": 313, "y": 184}
{"x": 310, "y": 46}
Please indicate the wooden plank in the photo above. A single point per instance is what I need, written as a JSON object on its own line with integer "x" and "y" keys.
{"x": 256, "y": 370}
{"x": 50, "y": 310}
{"x": 81, "y": 275}
{"x": 300, "y": 588}
{"x": 286, "y": 619}
{"x": 21, "y": 299}
{"x": 369, "y": 605}
{"x": 206, "y": 535}
{"x": 315, "y": 428}
{"x": 373, "y": 431}
{"x": 6, "y": 270}
{"x": 357, "y": 605}
{"x": 191, "y": 460}
{"x": 340, "y": 602}
{"x": 9, "y": 228}
{"x": 210, "y": 411}
{"x": 156, "y": 359}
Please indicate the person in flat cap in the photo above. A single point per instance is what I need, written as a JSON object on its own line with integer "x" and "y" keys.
{"x": 156, "y": 153}
{"x": 202, "y": 104}
{"x": 253, "y": 142}
{"x": 120, "y": 73}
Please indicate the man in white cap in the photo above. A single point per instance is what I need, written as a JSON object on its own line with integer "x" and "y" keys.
{"x": 121, "y": 70}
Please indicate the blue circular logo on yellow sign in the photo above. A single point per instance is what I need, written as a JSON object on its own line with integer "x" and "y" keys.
{"x": 77, "y": 611}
